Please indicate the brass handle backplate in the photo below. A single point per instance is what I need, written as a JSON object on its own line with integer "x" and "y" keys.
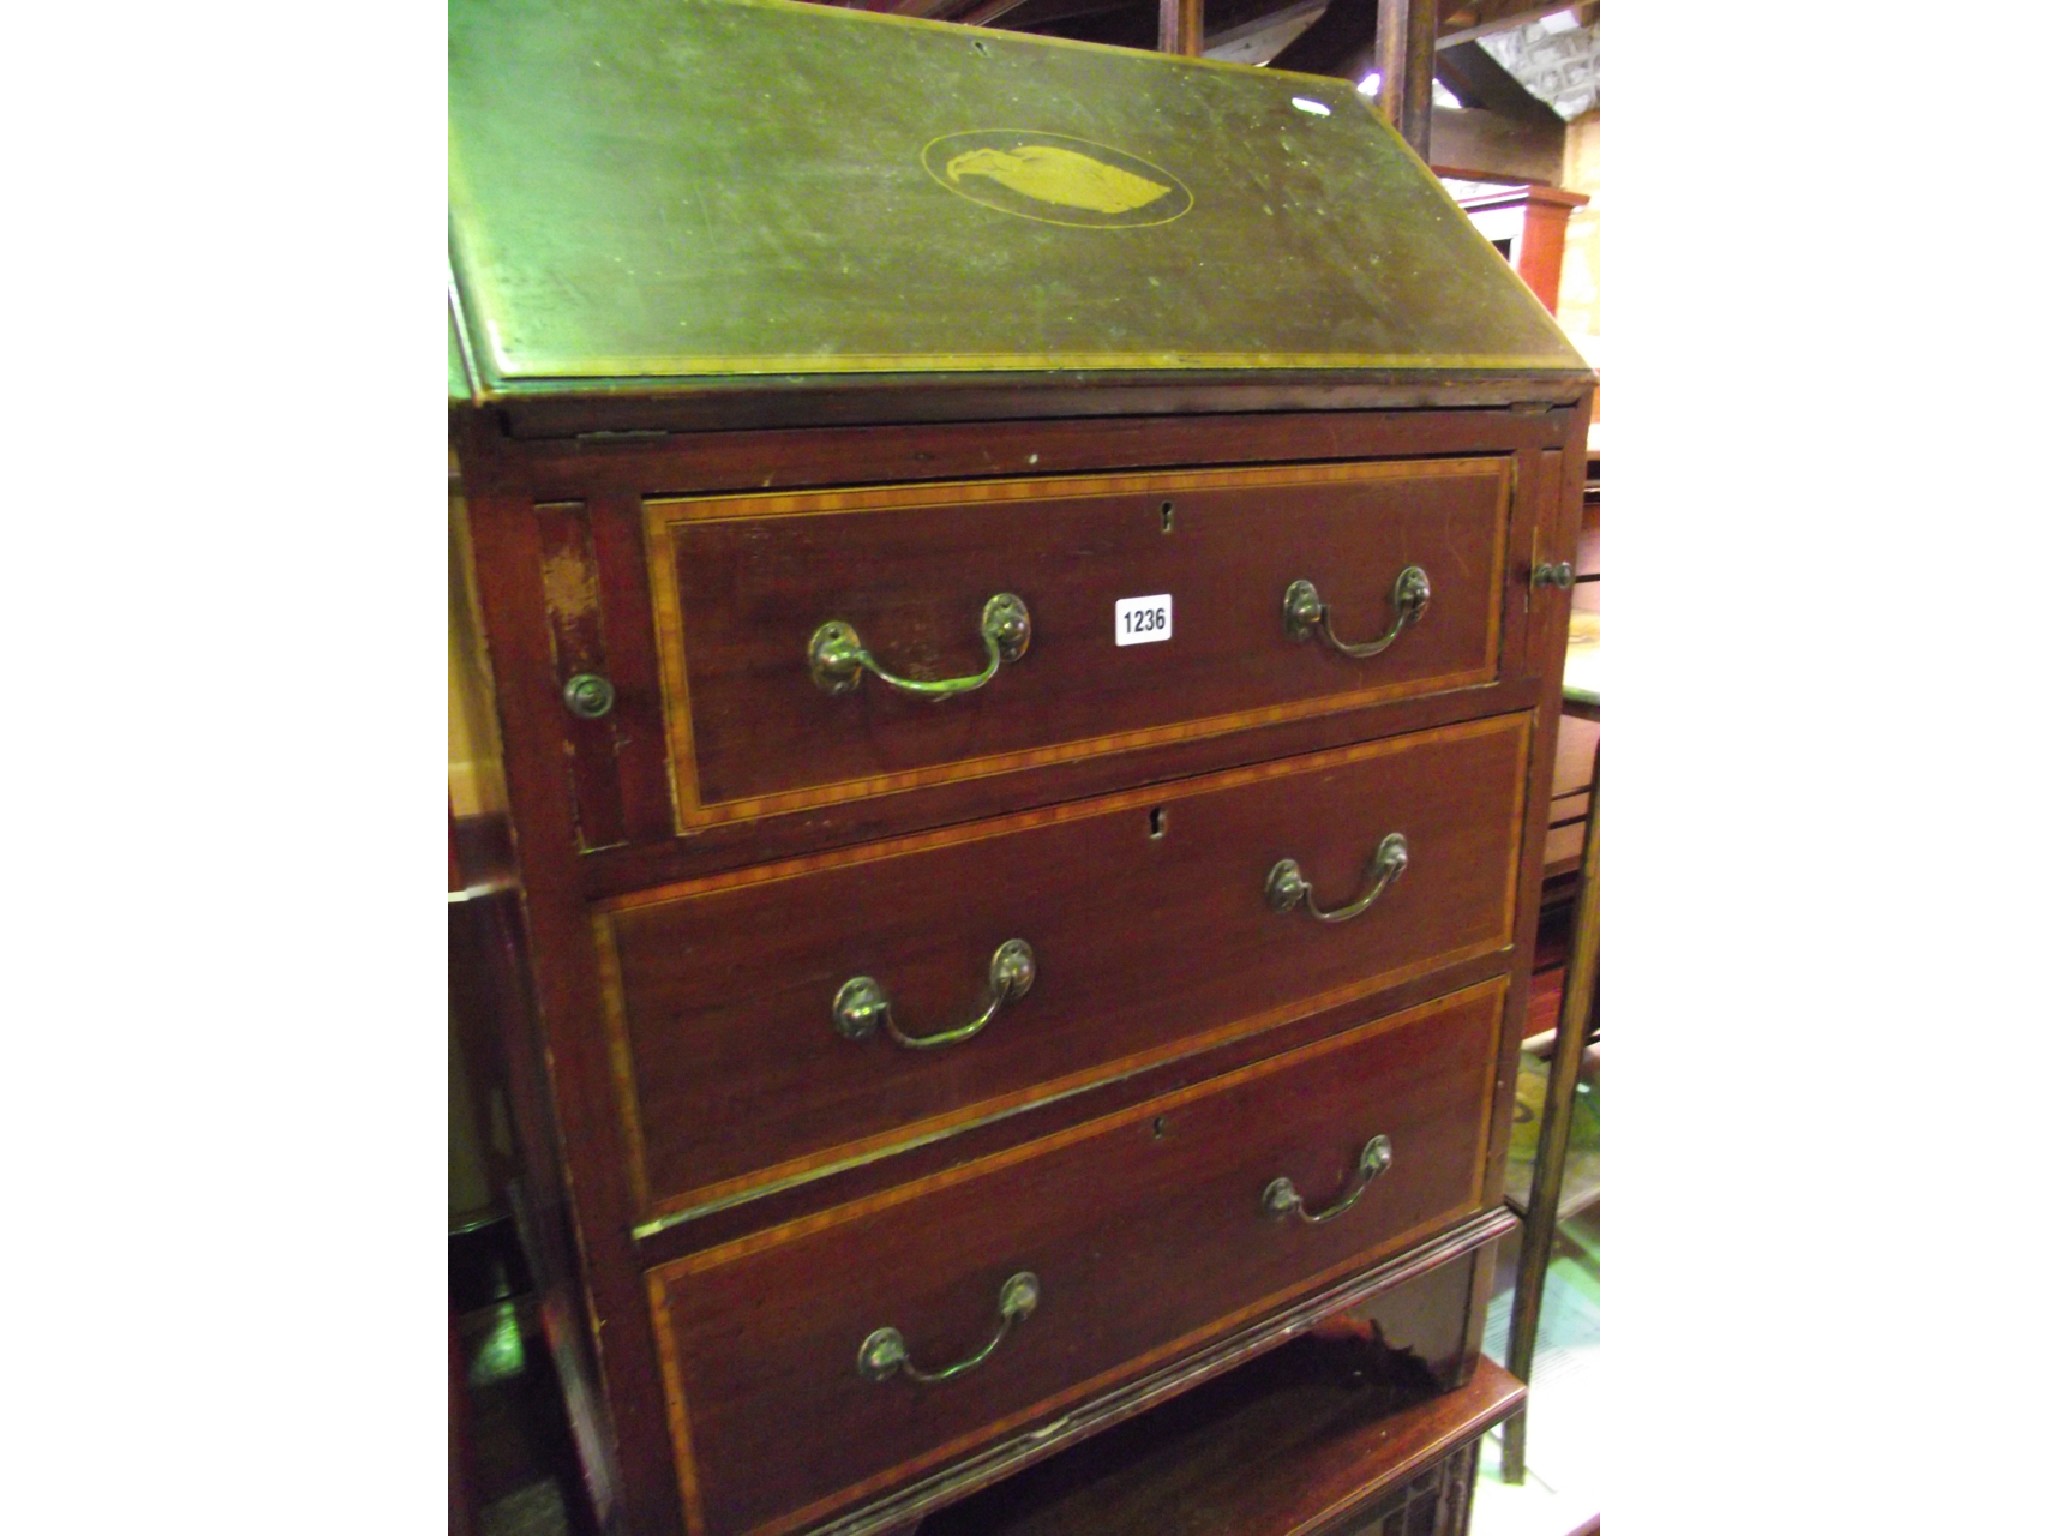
{"x": 883, "y": 1352}
{"x": 1286, "y": 889}
{"x": 1307, "y": 615}
{"x": 1282, "y": 1199}
{"x": 838, "y": 658}
{"x": 862, "y": 1004}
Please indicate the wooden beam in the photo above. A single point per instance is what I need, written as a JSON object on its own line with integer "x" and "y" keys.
{"x": 1259, "y": 38}
{"x": 926, "y": 9}
{"x": 986, "y": 12}
{"x": 1470, "y": 73}
{"x": 1482, "y": 146}
{"x": 1407, "y": 59}
{"x": 1180, "y": 27}
{"x": 1117, "y": 23}
{"x": 1049, "y": 15}
{"x": 1464, "y": 20}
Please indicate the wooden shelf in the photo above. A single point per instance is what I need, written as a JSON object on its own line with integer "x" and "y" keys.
{"x": 1303, "y": 1440}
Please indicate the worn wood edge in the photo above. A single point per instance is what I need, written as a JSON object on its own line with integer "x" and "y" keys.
{"x": 665, "y": 512}
{"x": 580, "y": 1216}
{"x": 645, "y": 775}
{"x": 664, "y": 516}
{"x": 572, "y": 410}
{"x": 978, "y": 1471}
{"x": 710, "y": 463}
{"x": 1421, "y": 1435}
{"x": 572, "y": 588}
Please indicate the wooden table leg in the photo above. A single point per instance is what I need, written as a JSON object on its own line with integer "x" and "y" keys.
{"x": 1553, "y": 1133}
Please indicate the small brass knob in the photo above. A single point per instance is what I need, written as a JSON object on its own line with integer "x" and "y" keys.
{"x": 589, "y": 696}
{"x": 1557, "y": 574}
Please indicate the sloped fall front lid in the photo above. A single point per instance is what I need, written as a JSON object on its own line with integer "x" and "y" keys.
{"x": 646, "y": 193}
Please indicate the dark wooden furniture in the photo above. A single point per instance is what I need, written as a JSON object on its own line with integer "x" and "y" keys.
{"x": 924, "y": 1089}
{"x": 1527, "y": 226}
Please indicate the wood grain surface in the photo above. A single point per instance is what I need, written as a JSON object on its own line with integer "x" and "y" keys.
{"x": 742, "y": 582}
{"x": 1145, "y": 1230}
{"x": 611, "y": 1332}
{"x": 1147, "y": 915}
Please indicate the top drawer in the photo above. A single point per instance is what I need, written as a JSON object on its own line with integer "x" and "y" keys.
{"x": 744, "y": 584}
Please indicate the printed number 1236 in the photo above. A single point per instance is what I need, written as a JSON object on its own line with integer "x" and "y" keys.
{"x": 1144, "y": 620}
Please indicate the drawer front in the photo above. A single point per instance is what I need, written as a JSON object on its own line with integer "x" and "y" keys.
{"x": 1147, "y": 1232}
{"x": 1151, "y": 932}
{"x": 744, "y": 584}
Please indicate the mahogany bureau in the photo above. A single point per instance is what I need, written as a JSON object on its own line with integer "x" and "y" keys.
{"x": 1022, "y": 584}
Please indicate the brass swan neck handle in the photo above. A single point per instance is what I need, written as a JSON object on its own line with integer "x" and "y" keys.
{"x": 838, "y": 658}
{"x": 1286, "y": 889}
{"x": 883, "y": 1352}
{"x": 1307, "y": 615}
{"x": 1282, "y": 1199}
{"x": 863, "y": 1005}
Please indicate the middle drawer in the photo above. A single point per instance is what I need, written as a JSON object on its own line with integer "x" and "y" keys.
{"x": 775, "y": 1022}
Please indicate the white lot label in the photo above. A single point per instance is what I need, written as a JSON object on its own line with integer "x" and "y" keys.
{"x": 1142, "y": 620}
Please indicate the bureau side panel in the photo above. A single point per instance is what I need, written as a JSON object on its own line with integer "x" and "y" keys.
{"x": 576, "y": 1158}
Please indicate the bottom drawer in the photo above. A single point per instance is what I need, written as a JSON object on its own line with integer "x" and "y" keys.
{"x": 1310, "y": 1437}
{"x": 1146, "y": 1233}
